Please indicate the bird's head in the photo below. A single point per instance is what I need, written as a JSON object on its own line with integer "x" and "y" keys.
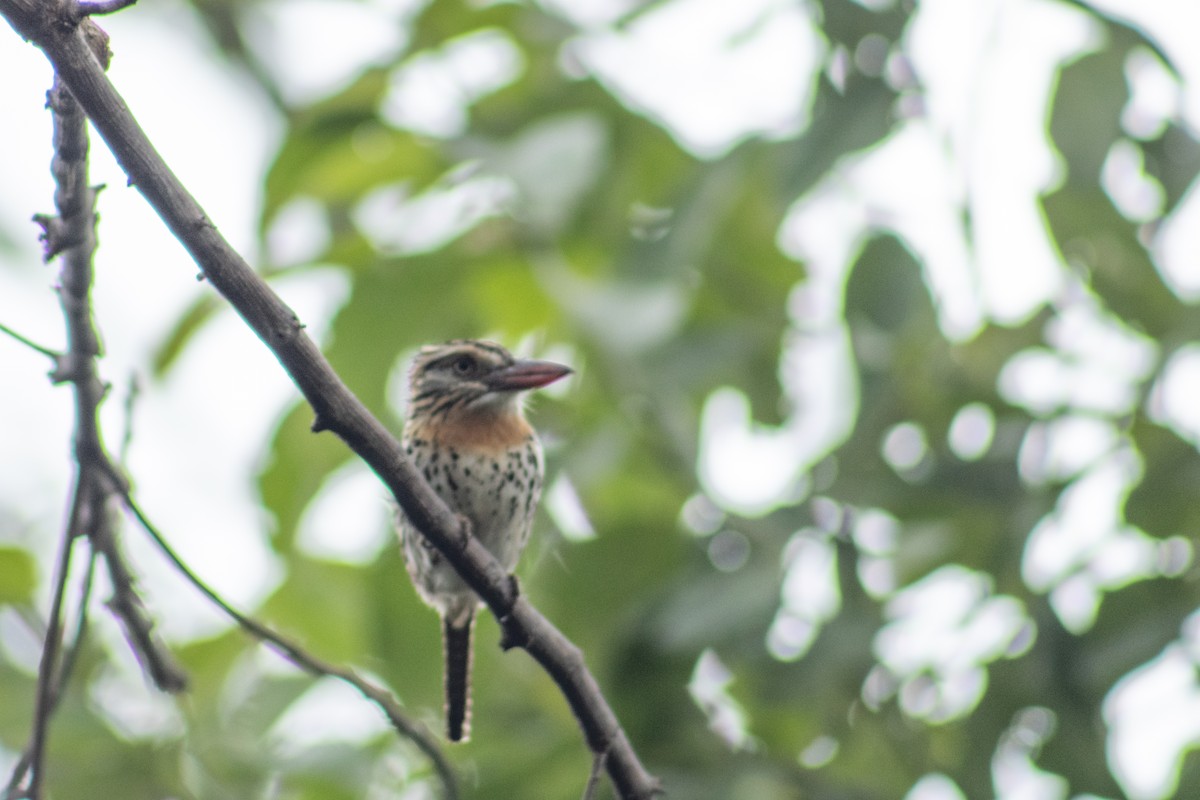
{"x": 470, "y": 375}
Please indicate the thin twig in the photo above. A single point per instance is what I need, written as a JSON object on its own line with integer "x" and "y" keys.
{"x": 48, "y": 665}
{"x": 293, "y": 652}
{"x": 53, "y": 355}
{"x": 131, "y": 398}
{"x": 82, "y": 617}
{"x": 69, "y": 659}
{"x": 594, "y": 777}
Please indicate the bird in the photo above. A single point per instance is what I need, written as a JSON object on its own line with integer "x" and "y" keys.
{"x": 465, "y": 431}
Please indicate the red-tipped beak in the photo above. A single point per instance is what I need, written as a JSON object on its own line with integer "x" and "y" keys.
{"x": 527, "y": 375}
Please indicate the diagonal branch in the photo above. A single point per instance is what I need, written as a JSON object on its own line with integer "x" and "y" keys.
{"x": 49, "y": 25}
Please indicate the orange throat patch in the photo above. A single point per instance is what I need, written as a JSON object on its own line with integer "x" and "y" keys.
{"x": 474, "y": 431}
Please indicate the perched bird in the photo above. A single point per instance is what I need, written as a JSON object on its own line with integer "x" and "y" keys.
{"x": 465, "y": 431}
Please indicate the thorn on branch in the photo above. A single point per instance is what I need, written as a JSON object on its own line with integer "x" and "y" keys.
{"x": 286, "y": 332}
{"x": 55, "y": 235}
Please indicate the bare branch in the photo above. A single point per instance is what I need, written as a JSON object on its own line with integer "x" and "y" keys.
{"x": 335, "y": 407}
{"x": 311, "y": 664}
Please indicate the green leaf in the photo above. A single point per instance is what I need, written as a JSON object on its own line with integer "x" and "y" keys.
{"x": 18, "y": 576}
{"x": 182, "y": 332}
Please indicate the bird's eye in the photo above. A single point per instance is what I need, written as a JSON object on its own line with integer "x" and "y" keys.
{"x": 464, "y": 365}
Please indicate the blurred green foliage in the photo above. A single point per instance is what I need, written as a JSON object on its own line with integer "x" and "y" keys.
{"x": 663, "y": 274}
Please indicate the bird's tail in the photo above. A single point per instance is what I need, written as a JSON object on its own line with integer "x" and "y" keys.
{"x": 456, "y": 646}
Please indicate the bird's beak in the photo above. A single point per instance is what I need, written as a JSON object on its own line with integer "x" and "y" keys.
{"x": 526, "y": 375}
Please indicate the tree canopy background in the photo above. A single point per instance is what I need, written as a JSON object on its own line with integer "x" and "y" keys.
{"x": 876, "y": 478}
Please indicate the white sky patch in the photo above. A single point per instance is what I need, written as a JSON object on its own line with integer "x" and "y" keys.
{"x": 552, "y": 163}
{"x": 701, "y": 516}
{"x": 1139, "y": 197}
{"x": 133, "y": 710}
{"x": 591, "y": 14}
{"x": 399, "y": 223}
{"x": 1095, "y": 363}
{"x": 1015, "y": 774}
{"x": 819, "y": 752}
{"x": 709, "y": 688}
{"x": 809, "y": 595}
{"x": 876, "y": 533}
{"x": 971, "y": 431}
{"x": 1083, "y": 549}
{"x": 935, "y": 786}
{"x": 216, "y": 135}
{"x": 1177, "y": 245}
{"x": 299, "y": 233}
{"x": 822, "y": 230}
{"x": 1171, "y": 24}
{"x": 1086, "y": 515}
{"x": 904, "y": 446}
{"x": 941, "y": 633}
{"x": 689, "y": 64}
{"x": 1155, "y": 95}
{"x": 988, "y": 88}
{"x": 730, "y": 441}
{"x": 566, "y": 509}
{"x": 1153, "y": 718}
{"x": 1173, "y": 400}
{"x": 349, "y": 517}
{"x": 821, "y": 386}
{"x": 330, "y": 711}
{"x": 904, "y": 185}
{"x": 432, "y": 92}
{"x": 305, "y": 42}
{"x": 1065, "y": 446}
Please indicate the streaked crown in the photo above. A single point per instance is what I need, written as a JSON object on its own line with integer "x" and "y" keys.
{"x": 471, "y": 374}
